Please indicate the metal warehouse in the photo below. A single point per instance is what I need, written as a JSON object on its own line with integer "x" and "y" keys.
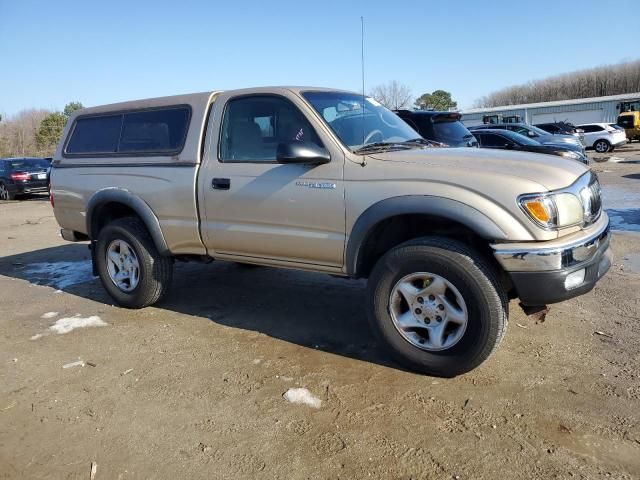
{"x": 577, "y": 111}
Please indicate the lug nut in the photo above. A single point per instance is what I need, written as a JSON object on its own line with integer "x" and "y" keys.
{"x": 440, "y": 307}
{"x": 420, "y": 300}
{"x": 438, "y": 318}
{"x": 427, "y": 321}
{"x": 432, "y": 298}
{"x": 418, "y": 311}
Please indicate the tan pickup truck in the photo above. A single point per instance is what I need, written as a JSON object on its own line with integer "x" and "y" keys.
{"x": 331, "y": 181}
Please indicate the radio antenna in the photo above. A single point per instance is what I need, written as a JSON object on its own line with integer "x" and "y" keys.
{"x": 364, "y": 162}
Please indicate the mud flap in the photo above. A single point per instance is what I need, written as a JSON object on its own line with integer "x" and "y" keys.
{"x": 537, "y": 313}
{"x": 94, "y": 265}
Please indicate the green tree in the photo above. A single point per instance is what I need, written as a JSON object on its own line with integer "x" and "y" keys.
{"x": 437, "y": 100}
{"x": 71, "y": 107}
{"x": 50, "y": 131}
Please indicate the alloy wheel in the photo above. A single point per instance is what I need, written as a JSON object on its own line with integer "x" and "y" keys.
{"x": 428, "y": 311}
{"x": 123, "y": 265}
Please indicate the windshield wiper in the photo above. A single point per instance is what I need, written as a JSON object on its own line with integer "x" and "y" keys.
{"x": 379, "y": 146}
{"x": 422, "y": 141}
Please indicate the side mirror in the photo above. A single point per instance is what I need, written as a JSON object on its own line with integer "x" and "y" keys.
{"x": 307, "y": 153}
{"x": 532, "y": 134}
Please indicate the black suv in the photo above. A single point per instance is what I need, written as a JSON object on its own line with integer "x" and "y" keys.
{"x": 442, "y": 127}
{"x": 23, "y": 175}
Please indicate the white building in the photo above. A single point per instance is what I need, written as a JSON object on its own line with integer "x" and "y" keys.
{"x": 577, "y": 111}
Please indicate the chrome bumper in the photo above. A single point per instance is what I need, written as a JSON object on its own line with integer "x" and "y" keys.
{"x": 532, "y": 257}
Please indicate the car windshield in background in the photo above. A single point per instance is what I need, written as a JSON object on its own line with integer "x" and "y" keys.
{"x": 29, "y": 164}
{"x": 360, "y": 122}
{"x": 539, "y": 131}
{"x": 625, "y": 121}
{"x": 520, "y": 138}
{"x": 450, "y": 131}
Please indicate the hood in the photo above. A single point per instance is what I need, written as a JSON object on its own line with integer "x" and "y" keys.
{"x": 550, "y": 171}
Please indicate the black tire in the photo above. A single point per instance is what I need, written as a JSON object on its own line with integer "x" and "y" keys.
{"x": 601, "y": 146}
{"x": 476, "y": 281}
{"x": 5, "y": 194}
{"x": 156, "y": 271}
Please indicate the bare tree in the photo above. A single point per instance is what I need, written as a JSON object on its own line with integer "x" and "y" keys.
{"x": 17, "y": 133}
{"x": 594, "y": 82}
{"x": 393, "y": 95}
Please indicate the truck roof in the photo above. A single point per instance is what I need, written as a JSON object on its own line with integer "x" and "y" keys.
{"x": 200, "y": 98}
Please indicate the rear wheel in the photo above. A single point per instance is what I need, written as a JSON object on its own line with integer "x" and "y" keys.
{"x": 437, "y": 305}
{"x": 5, "y": 194}
{"x": 130, "y": 267}
{"x": 601, "y": 146}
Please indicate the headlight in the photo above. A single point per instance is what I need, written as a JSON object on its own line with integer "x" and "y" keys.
{"x": 554, "y": 210}
{"x": 570, "y": 154}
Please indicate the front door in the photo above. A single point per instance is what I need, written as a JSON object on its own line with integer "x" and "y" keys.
{"x": 255, "y": 208}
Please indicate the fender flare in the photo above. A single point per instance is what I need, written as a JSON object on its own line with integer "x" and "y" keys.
{"x": 135, "y": 203}
{"x": 416, "y": 204}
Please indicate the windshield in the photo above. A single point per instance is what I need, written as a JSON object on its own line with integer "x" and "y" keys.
{"x": 450, "y": 132}
{"x": 625, "y": 121}
{"x": 520, "y": 138}
{"x": 539, "y": 131}
{"x": 358, "y": 122}
{"x": 29, "y": 164}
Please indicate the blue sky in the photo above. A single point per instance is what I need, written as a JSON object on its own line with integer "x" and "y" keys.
{"x": 53, "y": 52}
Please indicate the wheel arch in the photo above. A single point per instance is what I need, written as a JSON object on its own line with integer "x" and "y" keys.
{"x": 111, "y": 203}
{"x": 418, "y": 215}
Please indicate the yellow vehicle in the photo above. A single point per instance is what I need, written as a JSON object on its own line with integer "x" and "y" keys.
{"x": 630, "y": 121}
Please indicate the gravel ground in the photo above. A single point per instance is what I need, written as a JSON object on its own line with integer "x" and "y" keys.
{"x": 193, "y": 388}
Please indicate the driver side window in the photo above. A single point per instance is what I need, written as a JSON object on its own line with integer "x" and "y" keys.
{"x": 254, "y": 126}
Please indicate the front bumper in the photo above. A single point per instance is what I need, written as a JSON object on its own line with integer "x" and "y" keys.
{"x": 539, "y": 271}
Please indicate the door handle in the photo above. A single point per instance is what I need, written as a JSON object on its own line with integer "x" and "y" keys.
{"x": 221, "y": 183}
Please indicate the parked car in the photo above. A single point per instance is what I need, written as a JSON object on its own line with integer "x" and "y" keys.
{"x": 602, "y": 138}
{"x": 562, "y": 128}
{"x": 19, "y": 176}
{"x": 328, "y": 181}
{"x": 508, "y": 140}
{"x": 630, "y": 121}
{"x": 442, "y": 127}
{"x": 537, "y": 134}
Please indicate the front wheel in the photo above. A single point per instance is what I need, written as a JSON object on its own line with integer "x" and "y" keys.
{"x": 437, "y": 305}
{"x": 601, "y": 146}
{"x": 130, "y": 267}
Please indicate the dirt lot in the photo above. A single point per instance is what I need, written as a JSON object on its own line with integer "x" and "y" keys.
{"x": 193, "y": 387}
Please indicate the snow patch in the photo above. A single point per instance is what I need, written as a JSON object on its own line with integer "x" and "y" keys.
{"x": 79, "y": 363}
{"x": 67, "y": 324}
{"x": 60, "y": 275}
{"x": 302, "y": 396}
{"x": 49, "y": 315}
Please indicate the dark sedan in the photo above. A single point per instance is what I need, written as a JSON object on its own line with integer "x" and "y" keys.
{"x": 19, "y": 176}
{"x": 508, "y": 140}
